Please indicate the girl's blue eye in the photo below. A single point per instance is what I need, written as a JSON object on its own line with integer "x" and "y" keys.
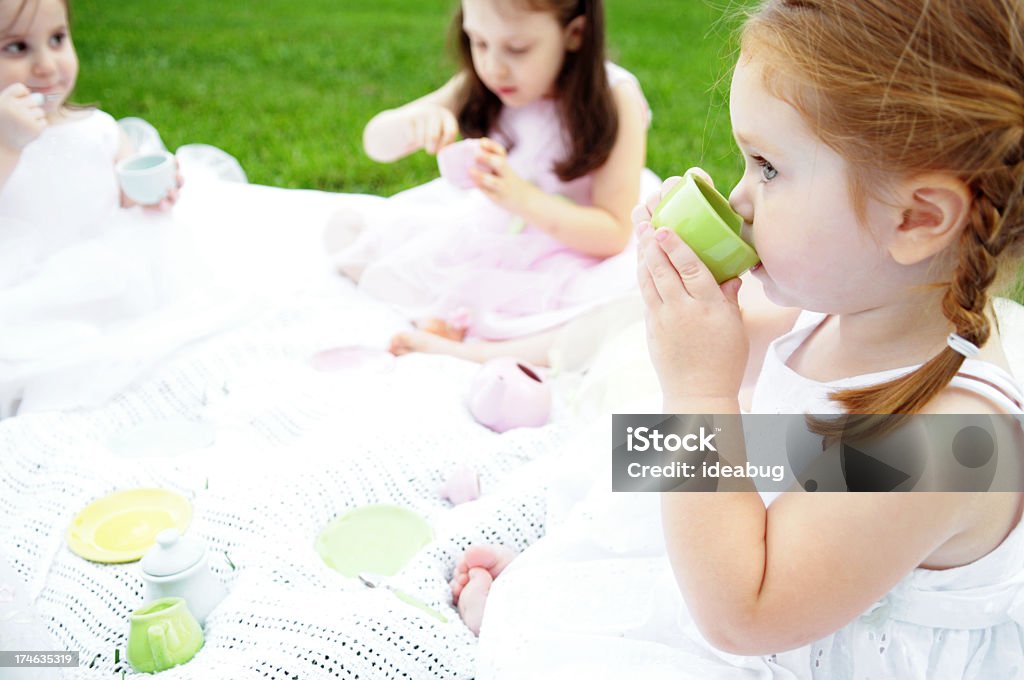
{"x": 14, "y": 48}
{"x": 768, "y": 171}
{"x": 58, "y": 38}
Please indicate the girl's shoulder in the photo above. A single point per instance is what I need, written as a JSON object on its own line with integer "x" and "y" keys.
{"x": 618, "y": 74}
{"x": 621, "y": 80}
{"x": 992, "y": 382}
{"x": 980, "y": 387}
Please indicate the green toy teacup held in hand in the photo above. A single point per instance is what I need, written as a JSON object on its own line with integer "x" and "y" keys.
{"x": 703, "y": 219}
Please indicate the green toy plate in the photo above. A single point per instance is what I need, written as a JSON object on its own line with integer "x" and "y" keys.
{"x": 379, "y": 539}
{"x": 122, "y": 526}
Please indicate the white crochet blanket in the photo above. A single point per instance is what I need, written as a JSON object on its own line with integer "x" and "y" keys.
{"x": 294, "y": 448}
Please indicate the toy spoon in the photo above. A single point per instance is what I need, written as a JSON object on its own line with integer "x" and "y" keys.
{"x": 376, "y": 580}
{"x": 39, "y": 98}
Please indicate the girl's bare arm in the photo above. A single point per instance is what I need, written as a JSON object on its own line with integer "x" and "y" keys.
{"x": 604, "y": 228}
{"x": 763, "y": 580}
{"x": 428, "y": 122}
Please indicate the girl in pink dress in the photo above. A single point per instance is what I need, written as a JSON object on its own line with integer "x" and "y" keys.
{"x": 542, "y": 234}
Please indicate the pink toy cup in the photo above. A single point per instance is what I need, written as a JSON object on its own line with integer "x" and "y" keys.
{"x": 455, "y": 160}
{"x": 507, "y": 393}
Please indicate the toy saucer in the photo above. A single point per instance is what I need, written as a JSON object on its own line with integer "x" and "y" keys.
{"x": 163, "y": 438}
{"x": 379, "y": 539}
{"x": 354, "y": 357}
{"x": 122, "y": 526}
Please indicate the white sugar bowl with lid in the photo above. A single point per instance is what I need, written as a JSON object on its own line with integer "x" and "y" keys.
{"x": 177, "y": 567}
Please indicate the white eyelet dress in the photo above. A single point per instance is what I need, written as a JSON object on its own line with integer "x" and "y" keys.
{"x": 596, "y": 597}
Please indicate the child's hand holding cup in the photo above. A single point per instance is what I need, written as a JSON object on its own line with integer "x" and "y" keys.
{"x": 149, "y": 179}
{"x": 703, "y": 219}
{"x": 22, "y": 117}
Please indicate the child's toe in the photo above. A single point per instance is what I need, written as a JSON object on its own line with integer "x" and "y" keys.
{"x": 473, "y": 598}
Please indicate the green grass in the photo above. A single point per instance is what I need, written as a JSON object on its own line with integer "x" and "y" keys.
{"x": 287, "y": 86}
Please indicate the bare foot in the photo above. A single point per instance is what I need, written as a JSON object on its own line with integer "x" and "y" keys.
{"x": 443, "y": 328}
{"x": 471, "y": 582}
{"x": 422, "y": 341}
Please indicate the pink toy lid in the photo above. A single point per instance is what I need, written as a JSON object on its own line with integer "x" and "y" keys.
{"x": 462, "y": 485}
{"x": 172, "y": 554}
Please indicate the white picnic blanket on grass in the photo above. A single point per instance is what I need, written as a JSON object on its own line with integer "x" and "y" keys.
{"x": 294, "y": 448}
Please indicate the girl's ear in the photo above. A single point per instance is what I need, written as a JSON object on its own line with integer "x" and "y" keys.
{"x": 936, "y": 209}
{"x": 574, "y": 33}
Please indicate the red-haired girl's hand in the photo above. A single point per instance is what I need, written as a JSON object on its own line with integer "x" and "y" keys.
{"x": 21, "y": 119}
{"x": 493, "y": 176}
{"x": 695, "y": 331}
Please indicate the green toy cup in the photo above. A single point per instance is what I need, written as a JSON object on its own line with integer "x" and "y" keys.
{"x": 163, "y": 634}
{"x": 703, "y": 219}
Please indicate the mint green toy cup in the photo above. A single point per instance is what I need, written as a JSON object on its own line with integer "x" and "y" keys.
{"x": 163, "y": 634}
{"x": 703, "y": 219}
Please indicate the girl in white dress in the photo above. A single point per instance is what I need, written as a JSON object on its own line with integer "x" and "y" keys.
{"x": 884, "y": 192}
{"x": 95, "y": 292}
{"x": 74, "y": 260}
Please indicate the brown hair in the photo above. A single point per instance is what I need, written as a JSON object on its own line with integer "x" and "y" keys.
{"x": 24, "y": 3}
{"x": 17, "y": 15}
{"x": 585, "y": 104}
{"x": 899, "y": 87}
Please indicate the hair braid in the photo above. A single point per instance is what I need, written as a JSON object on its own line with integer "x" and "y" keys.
{"x": 987, "y": 235}
{"x": 913, "y": 86}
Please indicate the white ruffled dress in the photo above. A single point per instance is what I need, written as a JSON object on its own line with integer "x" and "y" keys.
{"x": 93, "y": 295}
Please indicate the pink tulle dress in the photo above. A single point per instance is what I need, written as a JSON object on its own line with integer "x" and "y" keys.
{"x": 437, "y": 251}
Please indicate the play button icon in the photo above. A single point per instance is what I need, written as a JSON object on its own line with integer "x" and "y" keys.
{"x": 856, "y": 461}
{"x": 864, "y": 472}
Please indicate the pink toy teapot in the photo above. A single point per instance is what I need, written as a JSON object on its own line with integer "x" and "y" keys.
{"x": 507, "y": 393}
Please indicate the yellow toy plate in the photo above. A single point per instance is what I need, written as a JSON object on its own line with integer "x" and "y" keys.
{"x": 122, "y": 526}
